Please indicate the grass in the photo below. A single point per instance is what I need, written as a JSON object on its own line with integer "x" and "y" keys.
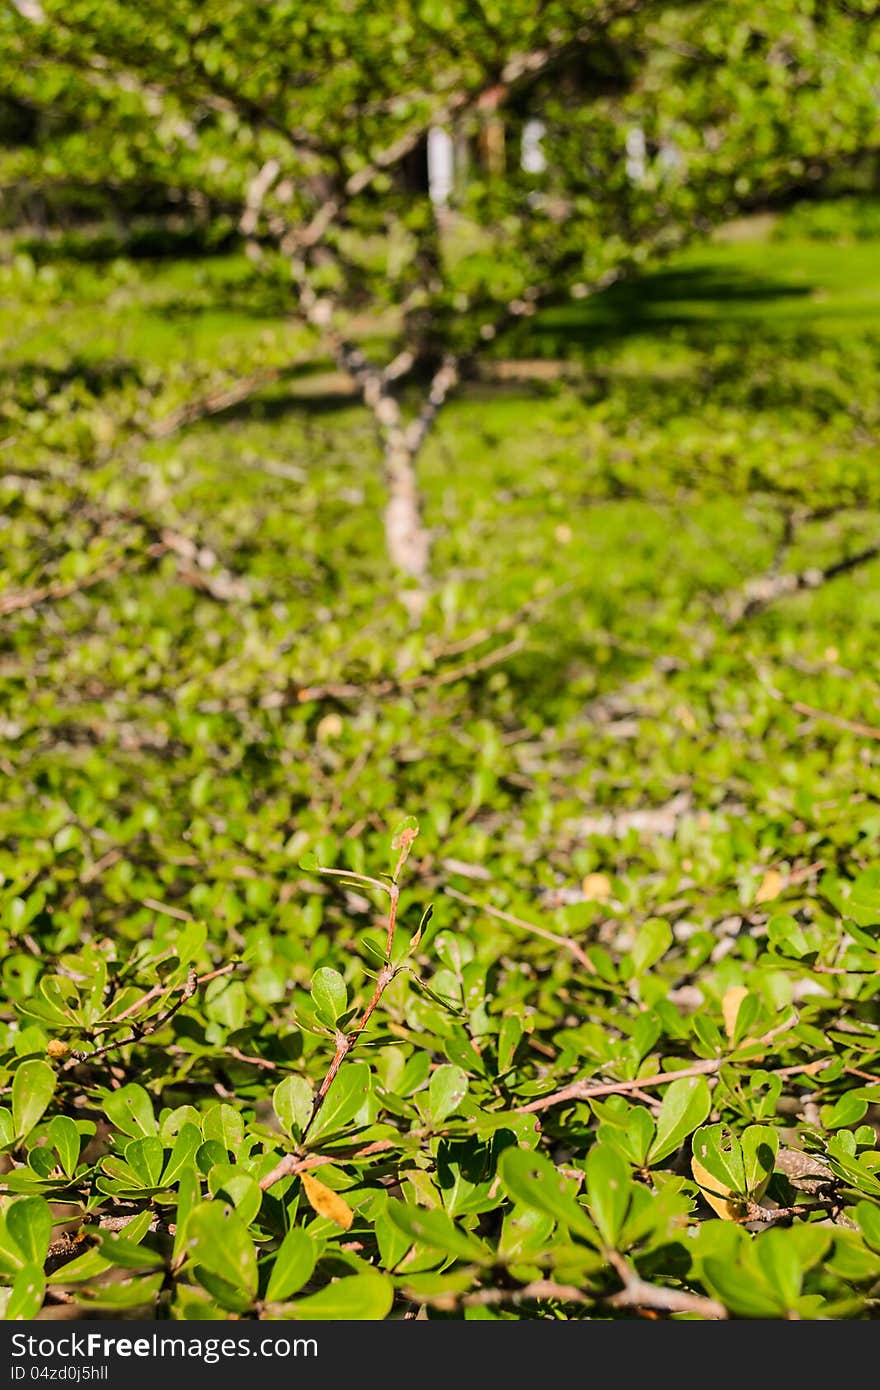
{"x": 590, "y": 694}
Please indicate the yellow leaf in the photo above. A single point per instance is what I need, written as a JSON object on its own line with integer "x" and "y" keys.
{"x": 770, "y": 887}
{"x": 717, "y": 1194}
{"x": 326, "y": 1202}
{"x": 730, "y": 1007}
{"x": 686, "y": 718}
{"x": 596, "y": 886}
{"x": 329, "y": 727}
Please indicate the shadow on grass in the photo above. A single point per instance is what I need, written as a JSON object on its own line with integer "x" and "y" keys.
{"x": 711, "y": 309}
{"x": 33, "y": 380}
{"x": 665, "y": 300}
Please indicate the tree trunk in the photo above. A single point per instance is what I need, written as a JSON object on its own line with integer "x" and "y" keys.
{"x": 406, "y": 536}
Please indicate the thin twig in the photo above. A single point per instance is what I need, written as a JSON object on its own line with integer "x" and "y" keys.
{"x": 105, "y": 862}
{"x": 851, "y": 726}
{"x": 291, "y": 1164}
{"x": 213, "y": 403}
{"x": 140, "y": 1031}
{"x": 158, "y": 990}
{"x": 18, "y": 600}
{"x": 349, "y": 690}
{"x": 636, "y": 1293}
{"x": 346, "y": 1041}
{"x": 564, "y": 941}
{"x": 504, "y": 624}
{"x": 263, "y": 1062}
{"x": 758, "y": 594}
{"x": 584, "y": 1090}
{"x": 156, "y": 906}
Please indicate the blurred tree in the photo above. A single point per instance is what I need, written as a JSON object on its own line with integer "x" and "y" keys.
{"x": 308, "y": 122}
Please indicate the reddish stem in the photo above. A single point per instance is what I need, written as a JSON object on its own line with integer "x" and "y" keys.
{"x": 346, "y": 1041}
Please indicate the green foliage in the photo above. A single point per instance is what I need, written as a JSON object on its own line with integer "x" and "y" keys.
{"x": 195, "y": 113}
{"x": 682, "y": 794}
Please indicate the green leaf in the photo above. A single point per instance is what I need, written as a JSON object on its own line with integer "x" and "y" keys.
{"x": 423, "y": 923}
{"x": 126, "y": 1254}
{"x": 848, "y": 1109}
{"x": 292, "y": 1266}
{"x": 609, "y": 1188}
{"x": 741, "y": 1293}
{"x": 7, "y": 1128}
{"x": 226, "y": 1003}
{"x": 126, "y": 1295}
{"x": 446, "y": 1090}
{"x": 146, "y": 1158}
{"x": 226, "y": 1181}
{"x": 746, "y": 1016}
{"x": 130, "y": 1110}
{"x": 189, "y": 1194}
{"x": 685, "y": 1106}
{"x": 329, "y": 995}
{"x": 209, "y": 1154}
{"x": 187, "y": 1141}
{"x": 525, "y": 1232}
{"x": 633, "y": 1138}
{"x": 11, "y": 1258}
{"x": 33, "y": 1086}
{"x": 219, "y": 1240}
{"x": 759, "y": 1144}
{"x": 292, "y": 1101}
{"x": 867, "y": 1216}
{"x": 653, "y": 941}
{"x": 431, "y": 1226}
{"x": 509, "y": 1037}
{"x": 65, "y": 1139}
{"x": 778, "y": 1259}
{"x": 190, "y": 940}
{"x": 811, "y": 1243}
{"x": 224, "y": 1124}
{"x": 29, "y": 1222}
{"x": 719, "y": 1152}
{"x": 357, "y": 1298}
{"x": 433, "y": 1283}
{"x": 532, "y": 1180}
{"x": 852, "y": 1169}
{"x": 28, "y": 1292}
{"x": 445, "y": 1002}
{"x": 346, "y": 1096}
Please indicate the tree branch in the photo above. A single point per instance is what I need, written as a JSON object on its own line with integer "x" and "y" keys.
{"x": 636, "y": 1293}
{"x": 564, "y": 941}
{"x": 758, "y": 594}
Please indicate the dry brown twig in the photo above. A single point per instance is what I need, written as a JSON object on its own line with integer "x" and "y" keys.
{"x": 291, "y": 1164}
{"x": 158, "y": 990}
{"x": 635, "y": 1294}
{"x": 585, "y": 1090}
{"x": 183, "y": 993}
{"x": 18, "y": 600}
{"x": 564, "y": 941}
{"x": 350, "y": 690}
